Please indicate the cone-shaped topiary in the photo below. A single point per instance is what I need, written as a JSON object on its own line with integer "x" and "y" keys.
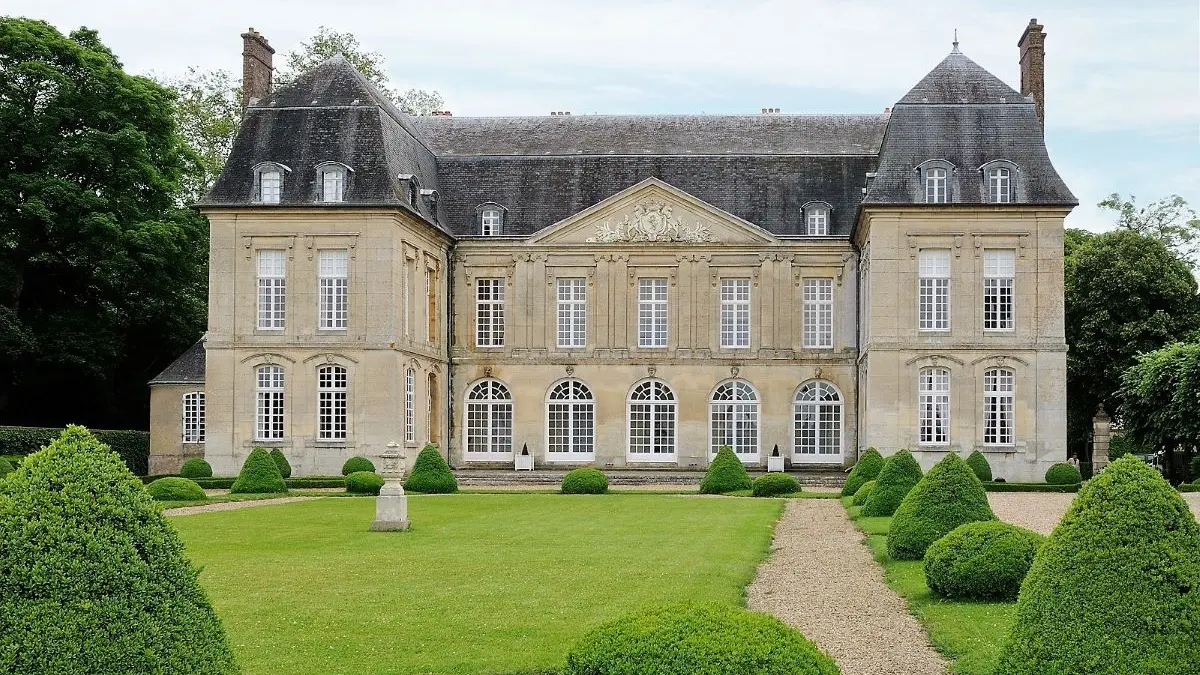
{"x": 196, "y": 467}
{"x": 430, "y": 473}
{"x": 725, "y": 474}
{"x": 899, "y": 474}
{"x": 948, "y": 496}
{"x": 93, "y": 579}
{"x": 6, "y": 467}
{"x": 867, "y": 468}
{"x": 364, "y": 483}
{"x": 285, "y": 469}
{"x": 979, "y": 464}
{"x": 1063, "y": 474}
{"x": 1116, "y": 587}
{"x": 863, "y": 493}
{"x": 259, "y": 475}
{"x": 981, "y": 561}
{"x": 774, "y": 484}
{"x": 584, "y": 481}
{"x": 356, "y": 464}
{"x": 173, "y": 489}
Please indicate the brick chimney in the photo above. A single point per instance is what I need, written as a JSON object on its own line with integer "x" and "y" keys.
{"x": 256, "y": 67}
{"x": 1033, "y": 66}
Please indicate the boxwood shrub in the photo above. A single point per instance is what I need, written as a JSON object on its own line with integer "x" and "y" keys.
{"x": 863, "y": 493}
{"x": 948, "y": 496}
{"x": 6, "y": 467}
{"x": 725, "y": 474}
{"x": 430, "y": 473}
{"x": 364, "y": 483}
{"x": 132, "y": 445}
{"x": 979, "y": 464}
{"x": 704, "y": 639}
{"x": 176, "y": 489}
{"x": 356, "y": 464}
{"x": 1029, "y": 487}
{"x": 899, "y": 474}
{"x": 773, "y": 485}
{"x": 867, "y": 468}
{"x": 259, "y": 475}
{"x": 985, "y": 560}
{"x": 1116, "y": 587}
{"x": 285, "y": 469}
{"x": 1063, "y": 474}
{"x": 196, "y": 467}
{"x": 93, "y": 579}
{"x": 584, "y": 481}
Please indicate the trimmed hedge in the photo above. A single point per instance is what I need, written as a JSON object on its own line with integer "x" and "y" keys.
{"x": 356, "y": 464}
{"x": 1116, "y": 587}
{"x": 1063, "y": 474}
{"x": 865, "y": 469}
{"x": 948, "y": 496}
{"x": 6, "y": 467}
{"x": 196, "y": 467}
{"x": 725, "y": 474}
{"x": 1189, "y": 487}
{"x": 285, "y": 469}
{"x": 702, "y": 639}
{"x": 981, "y": 561}
{"x": 1029, "y": 487}
{"x": 176, "y": 489}
{"x": 863, "y": 493}
{"x": 259, "y": 475}
{"x": 430, "y": 473}
{"x": 584, "y": 481}
{"x": 364, "y": 483}
{"x": 133, "y": 446}
{"x": 93, "y": 579}
{"x": 225, "y": 482}
{"x": 774, "y": 484}
{"x": 900, "y": 473}
{"x": 979, "y": 464}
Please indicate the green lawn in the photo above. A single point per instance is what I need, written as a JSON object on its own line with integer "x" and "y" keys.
{"x": 482, "y": 584}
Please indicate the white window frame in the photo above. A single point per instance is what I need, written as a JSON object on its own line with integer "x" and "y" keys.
{"x": 816, "y": 221}
{"x": 430, "y": 307}
{"x": 410, "y": 424}
{"x": 734, "y": 420}
{"x": 333, "y": 279}
{"x": 333, "y": 183}
{"x": 818, "y": 313}
{"x": 570, "y": 422}
{"x": 271, "y": 308}
{"x": 999, "y": 412}
{"x": 572, "y": 312}
{"x": 491, "y": 222}
{"x": 933, "y": 289}
{"x": 937, "y": 185}
{"x": 1000, "y": 185}
{"x": 270, "y": 402}
{"x": 999, "y": 289}
{"x": 489, "y": 312}
{"x": 656, "y": 401}
{"x": 332, "y": 392}
{"x": 933, "y": 406}
{"x": 818, "y": 413}
{"x": 268, "y": 184}
{"x": 652, "y": 313}
{"x": 193, "y": 417}
{"x": 735, "y": 313}
{"x": 488, "y": 422}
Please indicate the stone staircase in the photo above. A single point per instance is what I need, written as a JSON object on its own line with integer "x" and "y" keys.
{"x": 473, "y": 477}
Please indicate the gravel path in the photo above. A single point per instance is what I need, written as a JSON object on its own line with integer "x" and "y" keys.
{"x": 1041, "y": 511}
{"x": 231, "y": 506}
{"x": 822, "y": 580}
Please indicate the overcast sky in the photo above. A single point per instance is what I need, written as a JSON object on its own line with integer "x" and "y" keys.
{"x": 1122, "y": 78}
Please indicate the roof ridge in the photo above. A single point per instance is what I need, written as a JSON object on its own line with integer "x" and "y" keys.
{"x": 958, "y": 80}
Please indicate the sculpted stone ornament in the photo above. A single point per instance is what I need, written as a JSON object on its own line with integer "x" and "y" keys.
{"x": 651, "y": 221}
{"x": 391, "y": 506}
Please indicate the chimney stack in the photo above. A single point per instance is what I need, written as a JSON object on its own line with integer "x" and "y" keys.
{"x": 256, "y": 67}
{"x": 1033, "y": 66}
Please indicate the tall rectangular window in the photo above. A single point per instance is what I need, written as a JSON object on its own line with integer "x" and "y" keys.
{"x": 193, "y": 417}
{"x": 735, "y": 313}
{"x": 934, "y": 291}
{"x": 998, "y": 407}
{"x": 430, "y": 307}
{"x": 270, "y": 184}
{"x": 489, "y": 313}
{"x": 272, "y": 289}
{"x": 410, "y": 431}
{"x": 333, "y": 183}
{"x": 1000, "y": 186}
{"x": 572, "y": 312}
{"x": 935, "y": 186}
{"x": 269, "y": 418}
{"x": 652, "y": 312}
{"x": 331, "y": 403}
{"x": 933, "y": 401}
{"x": 818, "y": 313}
{"x": 333, "y": 279}
{"x": 999, "y": 271}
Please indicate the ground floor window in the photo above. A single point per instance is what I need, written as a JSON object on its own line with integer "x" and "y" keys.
{"x": 571, "y": 420}
{"x": 489, "y": 419}
{"x": 733, "y": 419}
{"x": 652, "y": 422}
{"x": 193, "y": 417}
{"x": 817, "y": 414}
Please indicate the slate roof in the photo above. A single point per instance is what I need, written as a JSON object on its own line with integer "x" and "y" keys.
{"x": 187, "y": 369}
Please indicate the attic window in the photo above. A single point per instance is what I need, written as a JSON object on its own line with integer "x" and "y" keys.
{"x": 491, "y": 221}
{"x": 333, "y": 182}
{"x": 1000, "y": 185}
{"x": 935, "y": 185}
{"x": 816, "y": 219}
{"x": 268, "y": 183}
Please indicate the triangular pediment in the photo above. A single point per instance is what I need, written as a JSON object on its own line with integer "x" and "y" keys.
{"x": 652, "y": 213}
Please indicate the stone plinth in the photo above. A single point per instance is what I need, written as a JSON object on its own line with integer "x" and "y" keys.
{"x": 391, "y": 506}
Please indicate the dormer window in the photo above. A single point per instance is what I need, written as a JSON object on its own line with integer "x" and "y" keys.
{"x": 1000, "y": 186}
{"x": 816, "y": 219}
{"x": 935, "y": 185}
{"x": 332, "y": 184}
{"x": 268, "y": 183}
{"x": 491, "y": 220}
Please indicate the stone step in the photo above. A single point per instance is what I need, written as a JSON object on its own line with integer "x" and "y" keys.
{"x": 486, "y": 477}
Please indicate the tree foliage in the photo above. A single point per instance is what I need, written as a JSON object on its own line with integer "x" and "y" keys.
{"x": 208, "y": 111}
{"x": 1160, "y": 406}
{"x": 1168, "y": 220}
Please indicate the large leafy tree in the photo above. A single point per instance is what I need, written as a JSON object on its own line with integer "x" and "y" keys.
{"x": 102, "y": 276}
{"x": 1169, "y": 220}
{"x": 1160, "y": 403}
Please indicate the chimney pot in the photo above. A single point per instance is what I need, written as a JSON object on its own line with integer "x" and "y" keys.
{"x": 257, "y": 67}
{"x": 1033, "y": 67}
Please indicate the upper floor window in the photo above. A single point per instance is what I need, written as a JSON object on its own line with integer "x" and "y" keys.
{"x": 333, "y": 280}
{"x": 193, "y": 417}
{"x": 333, "y": 182}
{"x": 272, "y": 288}
{"x": 999, "y": 269}
{"x": 936, "y": 185}
{"x": 933, "y": 305}
{"x": 489, "y": 313}
{"x": 816, "y": 220}
{"x": 818, "y": 313}
{"x": 572, "y": 312}
{"x": 1000, "y": 185}
{"x": 735, "y": 313}
{"x": 430, "y": 307}
{"x": 652, "y": 312}
{"x": 491, "y": 220}
{"x": 268, "y": 183}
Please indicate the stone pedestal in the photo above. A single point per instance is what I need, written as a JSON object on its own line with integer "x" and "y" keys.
{"x": 1101, "y": 437}
{"x": 391, "y": 506}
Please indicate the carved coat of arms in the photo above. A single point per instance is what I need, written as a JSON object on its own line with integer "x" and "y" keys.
{"x": 651, "y": 221}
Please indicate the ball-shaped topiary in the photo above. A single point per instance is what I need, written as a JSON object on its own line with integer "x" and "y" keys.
{"x": 100, "y": 584}
{"x": 584, "y": 481}
{"x": 196, "y": 467}
{"x": 364, "y": 483}
{"x": 984, "y": 560}
{"x": 725, "y": 474}
{"x": 774, "y": 484}
{"x": 6, "y": 467}
{"x": 867, "y": 468}
{"x": 948, "y": 496}
{"x": 356, "y": 464}
{"x": 172, "y": 489}
{"x": 900, "y": 473}
{"x": 863, "y": 493}
{"x": 1116, "y": 587}
{"x": 431, "y": 474}
{"x": 979, "y": 464}
{"x": 285, "y": 469}
{"x": 705, "y": 639}
{"x": 1063, "y": 474}
{"x": 259, "y": 475}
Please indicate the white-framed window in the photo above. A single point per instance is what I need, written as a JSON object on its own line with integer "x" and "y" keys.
{"x": 652, "y": 312}
{"x": 268, "y": 425}
{"x": 410, "y": 426}
{"x": 652, "y": 422}
{"x": 430, "y": 307}
{"x": 733, "y": 420}
{"x": 818, "y": 313}
{"x": 735, "y": 313}
{"x": 331, "y": 403}
{"x": 935, "y": 185}
{"x": 816, "y": 221}
{"x": 489, "y": 312}
{"x": 333, "y": 273}
{"x": 491, "y": 221}
{"x": 572, "y": 312}
{"x": 934, "y": 290}
{"x": 1000, "y": 185}
{"x": 268, "y": 184}
{"x": 817, "y": 416}
{"x": 998, "y": 417}
{"x": 999, "y": 273}
{"x": 333, "y": 183}
{"x": 193, "y": 417}
{"x": 272, "y": 289}
{"x": 933, "y": 402}
{"x": 570, "y": 421}
{"x": 489, "y": 420}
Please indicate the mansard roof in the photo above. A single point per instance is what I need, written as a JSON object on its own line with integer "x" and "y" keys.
{"x": 958, "y": 79}
{"x": 187, "y": 369}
